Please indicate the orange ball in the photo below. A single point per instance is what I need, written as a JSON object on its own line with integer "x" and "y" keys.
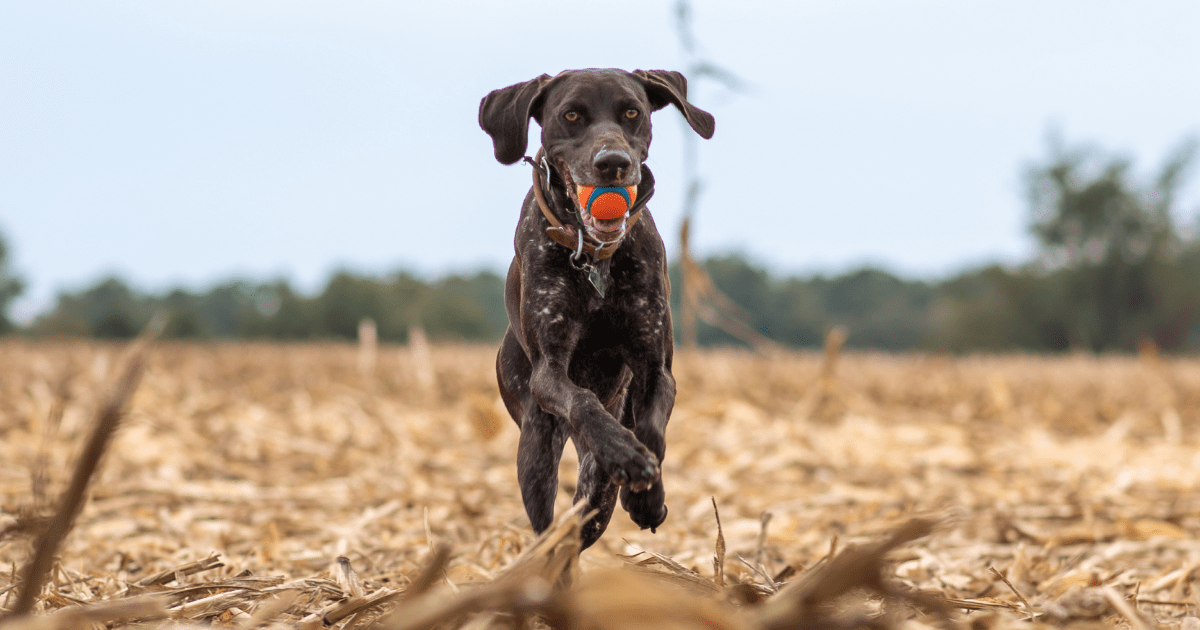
{"x": 608, "y": 202}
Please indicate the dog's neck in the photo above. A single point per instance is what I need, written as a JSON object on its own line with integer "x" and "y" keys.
{"x": 554, "y": 202}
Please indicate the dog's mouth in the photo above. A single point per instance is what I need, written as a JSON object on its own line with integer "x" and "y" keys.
{"x": 603, "y": 209}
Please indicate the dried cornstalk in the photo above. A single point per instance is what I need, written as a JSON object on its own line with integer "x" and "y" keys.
{"x": 801, "y": 603}
{"x": 104, "y": 427}
{"x": 145, "y": 607}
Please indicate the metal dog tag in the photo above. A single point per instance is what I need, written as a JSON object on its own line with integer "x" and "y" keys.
{"x": 580, "y": 261}
{"x": 597, "y": 279}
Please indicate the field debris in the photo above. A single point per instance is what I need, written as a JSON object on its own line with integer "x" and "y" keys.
{"x": 301, "y": 486}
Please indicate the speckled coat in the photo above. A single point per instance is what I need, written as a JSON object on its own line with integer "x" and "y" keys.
{"x": 575, "y": 363}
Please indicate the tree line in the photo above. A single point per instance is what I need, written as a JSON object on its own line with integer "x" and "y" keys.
{"x": 463, "y": 307}
{"x": 1118, "y": 264}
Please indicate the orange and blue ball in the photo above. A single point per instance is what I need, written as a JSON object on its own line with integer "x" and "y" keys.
{"x": 607, "y": 202}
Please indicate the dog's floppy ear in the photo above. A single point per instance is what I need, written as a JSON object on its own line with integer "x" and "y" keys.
{"x": 504, "y": 114}
{"x": 667, "y": 87}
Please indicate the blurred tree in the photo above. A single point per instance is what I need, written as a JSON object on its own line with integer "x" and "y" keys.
{"x": 1110, "y": 240}
{"x": 108, "y": 310}
{"x": 10, "y": 288}
{"x": 1182, "y": 327}
{"x": 226, "y": 309}
{"x": 468, "y": 308}
{"x": 701, "y": 297}
{"x": 878, "y": 309}
{"x": 994, "y": 309}
{"x": 280, "y": 313}
{"x": 456, "y": 307}
{"x": 744, "y": 292}
{"x": 487, "y": 288}
{"x": 798, "y": 317}
{"x": 111, "y": 310}
{"x": 348, "y": 299}
{"x": 409, "y": 294}
{"x": 183, "y": 316}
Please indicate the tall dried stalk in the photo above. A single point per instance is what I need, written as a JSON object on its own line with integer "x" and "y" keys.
{"x": 104, "y": 427}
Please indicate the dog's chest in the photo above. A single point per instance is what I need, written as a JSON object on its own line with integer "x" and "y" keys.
{"x": 634, "y": 311}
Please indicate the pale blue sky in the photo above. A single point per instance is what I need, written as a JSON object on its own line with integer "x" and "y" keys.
{"x": 186, "y": 142}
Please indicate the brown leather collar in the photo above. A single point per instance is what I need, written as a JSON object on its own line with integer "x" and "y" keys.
{"x": 568, "y": 235}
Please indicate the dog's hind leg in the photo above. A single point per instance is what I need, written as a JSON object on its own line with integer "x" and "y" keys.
{"x": 539, "y": 452}
{"x": 512, "y": 375}
{"x": 543, "y": 436}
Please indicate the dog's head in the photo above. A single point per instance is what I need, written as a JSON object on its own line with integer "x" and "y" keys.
{"x": 595, "y": 130}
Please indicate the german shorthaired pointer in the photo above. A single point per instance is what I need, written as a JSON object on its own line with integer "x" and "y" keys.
{"x": 588, "y": 350}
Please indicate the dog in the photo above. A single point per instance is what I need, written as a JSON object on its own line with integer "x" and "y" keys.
{"x": 588, "y": 350}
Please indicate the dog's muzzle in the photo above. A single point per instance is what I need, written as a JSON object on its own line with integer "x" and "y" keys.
{"x": 604, "y": 209}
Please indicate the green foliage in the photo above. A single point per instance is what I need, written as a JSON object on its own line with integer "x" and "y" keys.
{"x": 878, "y": 309}
{"x": 1113, "y": 269}
{"x": 996, "y": 309}
{"x": 108, "y": 310}
{"x": 347, "y": 299}
{"x": 470, "y": 308}
{"x": 11, "y": 287}
{"x": 456, "y": 307}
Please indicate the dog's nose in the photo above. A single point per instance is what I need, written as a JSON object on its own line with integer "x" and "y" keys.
{"x": 612, "y": 165}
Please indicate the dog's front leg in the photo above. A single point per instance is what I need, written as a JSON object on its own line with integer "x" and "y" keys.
{"x": 652, "y": 409}
{"x": 651, "y": 406}
{"x": 617, "y": 450}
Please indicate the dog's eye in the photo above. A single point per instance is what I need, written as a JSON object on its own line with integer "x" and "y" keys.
{"x": 631, "y": 113}
{"x": 571, "y": 116}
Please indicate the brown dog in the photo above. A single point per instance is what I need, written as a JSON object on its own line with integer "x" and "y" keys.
{"x": 588, "y": 350}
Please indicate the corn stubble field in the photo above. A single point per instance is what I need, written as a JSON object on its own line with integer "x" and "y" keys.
{"x": 314, "y": 486}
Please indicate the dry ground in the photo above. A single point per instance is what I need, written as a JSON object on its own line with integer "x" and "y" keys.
{"x": 1063, "y": 492}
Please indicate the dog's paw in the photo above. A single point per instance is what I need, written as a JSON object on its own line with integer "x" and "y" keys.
{"x": 654, "y": 528}
{"x": 647, "y": 508}
{"x": 635, "y": 469}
